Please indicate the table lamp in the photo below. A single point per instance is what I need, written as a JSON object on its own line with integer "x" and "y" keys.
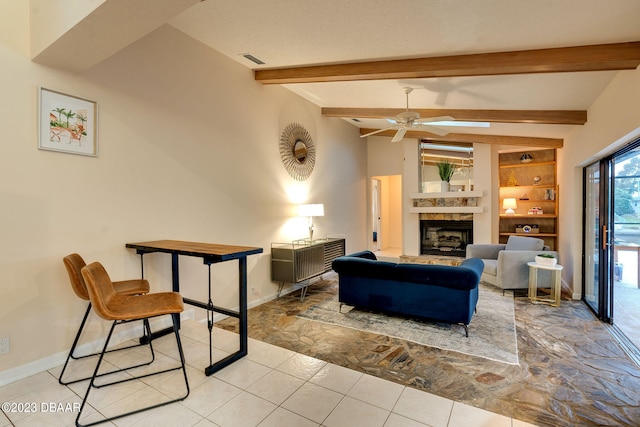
{"x": 509, "y": 204}
{"x": 311, "y": 210}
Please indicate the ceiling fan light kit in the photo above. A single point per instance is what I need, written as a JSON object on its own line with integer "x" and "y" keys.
{"x": 411, "y": 120}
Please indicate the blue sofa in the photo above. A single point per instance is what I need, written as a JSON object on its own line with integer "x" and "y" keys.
{"x": 436, "y": 292}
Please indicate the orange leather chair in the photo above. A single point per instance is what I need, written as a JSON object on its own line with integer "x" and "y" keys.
{"x": 74, "y": 264}
{"x": 120, "y": 308}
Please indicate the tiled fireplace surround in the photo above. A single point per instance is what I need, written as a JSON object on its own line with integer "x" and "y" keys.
{"x": 462, "y": 225}
{"x": 448, "y": 240}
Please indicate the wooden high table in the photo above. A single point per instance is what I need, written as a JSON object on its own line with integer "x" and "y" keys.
{"x": 211, "y": 253}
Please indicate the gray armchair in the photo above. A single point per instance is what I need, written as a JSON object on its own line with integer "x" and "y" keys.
{"x": 505, "y": 265}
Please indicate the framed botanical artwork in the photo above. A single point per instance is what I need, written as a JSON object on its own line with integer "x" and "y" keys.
{"x": 67, "y": 123}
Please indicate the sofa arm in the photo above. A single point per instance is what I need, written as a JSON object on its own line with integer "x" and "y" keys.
{"x": 364, "y": 254}
{"x": 513, "y": 271}
{"x": 484, "y": 251}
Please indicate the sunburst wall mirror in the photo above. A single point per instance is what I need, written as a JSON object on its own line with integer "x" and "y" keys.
{"x": 297, "y": 151}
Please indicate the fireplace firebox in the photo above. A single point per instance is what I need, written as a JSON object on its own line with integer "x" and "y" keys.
{"x": 445, "y": 237}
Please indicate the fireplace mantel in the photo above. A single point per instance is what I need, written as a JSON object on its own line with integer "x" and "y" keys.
{"x": 449, "y": 194}
{"x": 450, "y": 207}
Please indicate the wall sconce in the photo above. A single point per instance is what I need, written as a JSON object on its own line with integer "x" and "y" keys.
{"x": 311, "y": 210}
{"x": 509, "y": 204}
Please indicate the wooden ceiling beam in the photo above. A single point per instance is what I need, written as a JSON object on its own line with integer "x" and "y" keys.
{"x": 555, "y": 117}
{"x": 524, "y": 141}
{"x": 604, "y": 57}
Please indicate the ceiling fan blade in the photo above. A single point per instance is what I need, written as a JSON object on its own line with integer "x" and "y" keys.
{"x": 377, "y": 131}
{"x": 437, "y": 119}
{"x": 433, "y": 129}
{"x": 399, "y": 135}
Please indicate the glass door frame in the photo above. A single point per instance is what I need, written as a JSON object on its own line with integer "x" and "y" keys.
{"x": 600, "y": 248}
{"x": 605, "y": 237}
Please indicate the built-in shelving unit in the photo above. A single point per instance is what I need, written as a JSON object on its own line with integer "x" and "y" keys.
{"x": 534, "y": 185}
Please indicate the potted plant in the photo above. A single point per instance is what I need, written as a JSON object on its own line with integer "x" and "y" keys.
{"x": 546, "y": 259}
{"x": 445, "y": 170}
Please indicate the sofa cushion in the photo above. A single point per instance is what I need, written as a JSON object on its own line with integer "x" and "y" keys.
{"x": 362, "y": 266}
{"x": 521, "y": 243}
{"x": 465, "y": 276}
{"x": 461, "y": 277}
{"x": 491, "y": 266}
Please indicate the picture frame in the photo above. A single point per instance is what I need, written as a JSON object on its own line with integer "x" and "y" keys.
{"x": 67, "y": 123}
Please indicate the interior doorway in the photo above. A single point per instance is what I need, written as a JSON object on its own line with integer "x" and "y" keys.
{"x": 386, "y": 215}
{"x": 376, "y": 208}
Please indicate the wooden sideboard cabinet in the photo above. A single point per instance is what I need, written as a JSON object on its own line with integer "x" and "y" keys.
{"x": 301, "y": 260}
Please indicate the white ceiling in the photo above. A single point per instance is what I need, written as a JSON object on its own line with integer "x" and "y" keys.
{"x": 302, "y": 32}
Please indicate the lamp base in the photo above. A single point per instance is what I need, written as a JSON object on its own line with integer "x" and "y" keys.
{"x": 509, "y": 212}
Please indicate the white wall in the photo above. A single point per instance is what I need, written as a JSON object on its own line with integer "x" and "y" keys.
{"x": 188, "y": 149}
{"x": 485, "y": 179}
{"x": 613, "y": 121}
{"x": 385, "y": 161}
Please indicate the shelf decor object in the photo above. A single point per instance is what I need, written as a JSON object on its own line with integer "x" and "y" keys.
{"x": 526, "y": 158}
{"x": 445, "y": 170}
{"x": 546, "y": 260}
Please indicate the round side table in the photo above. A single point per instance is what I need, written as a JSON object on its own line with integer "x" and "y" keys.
{"x": 556, "y": 286}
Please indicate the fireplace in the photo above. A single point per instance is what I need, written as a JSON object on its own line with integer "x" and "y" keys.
{"x": 445, "y": 237}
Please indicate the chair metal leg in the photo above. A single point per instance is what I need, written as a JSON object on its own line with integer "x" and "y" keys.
{"x": 71, "y": 354}
{"x": 73, "y": 348}
{"x": 147, "y": 333}
{"x": 101, "y": 358}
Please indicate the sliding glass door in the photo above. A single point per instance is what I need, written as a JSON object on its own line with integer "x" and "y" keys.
{"x": 611, "y": 240}
{"x": 596, "y": 238}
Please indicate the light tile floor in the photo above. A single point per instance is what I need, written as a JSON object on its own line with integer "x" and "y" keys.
{"x": 271, "y": 386}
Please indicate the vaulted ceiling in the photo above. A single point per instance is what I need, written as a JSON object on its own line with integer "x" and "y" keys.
{"x": 531, "y": 68}
{"x": 519, "y": 64}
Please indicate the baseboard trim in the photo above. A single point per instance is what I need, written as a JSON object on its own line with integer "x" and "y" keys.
{"x": 35, "y": 367}
{"x": 23, "y": 371}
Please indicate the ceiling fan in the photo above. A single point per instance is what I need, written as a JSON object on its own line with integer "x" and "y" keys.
{"x": 411, "y": 120}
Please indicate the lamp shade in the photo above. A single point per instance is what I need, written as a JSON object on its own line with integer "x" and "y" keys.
{"x": 316, "y": 209}
{"x": 509, "y": 204}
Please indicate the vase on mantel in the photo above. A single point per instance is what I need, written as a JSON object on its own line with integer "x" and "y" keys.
{"x": 445, "y": 186}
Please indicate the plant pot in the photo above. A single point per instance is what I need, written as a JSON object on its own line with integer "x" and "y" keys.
{"x": 444, "y": 186}
{"x": 549, "y": 262}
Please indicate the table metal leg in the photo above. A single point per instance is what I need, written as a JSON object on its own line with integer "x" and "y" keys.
{"x": 175, "y": 284}
{"x": 556, "y": 288}
{"x": 210, "y": 319}
{"x": 533, "y": 283}
{"x": 244, "y": 329}
{"x": 242, "y": 318}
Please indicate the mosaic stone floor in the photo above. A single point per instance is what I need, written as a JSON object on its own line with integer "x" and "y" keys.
{"x": 571, "y": 373}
